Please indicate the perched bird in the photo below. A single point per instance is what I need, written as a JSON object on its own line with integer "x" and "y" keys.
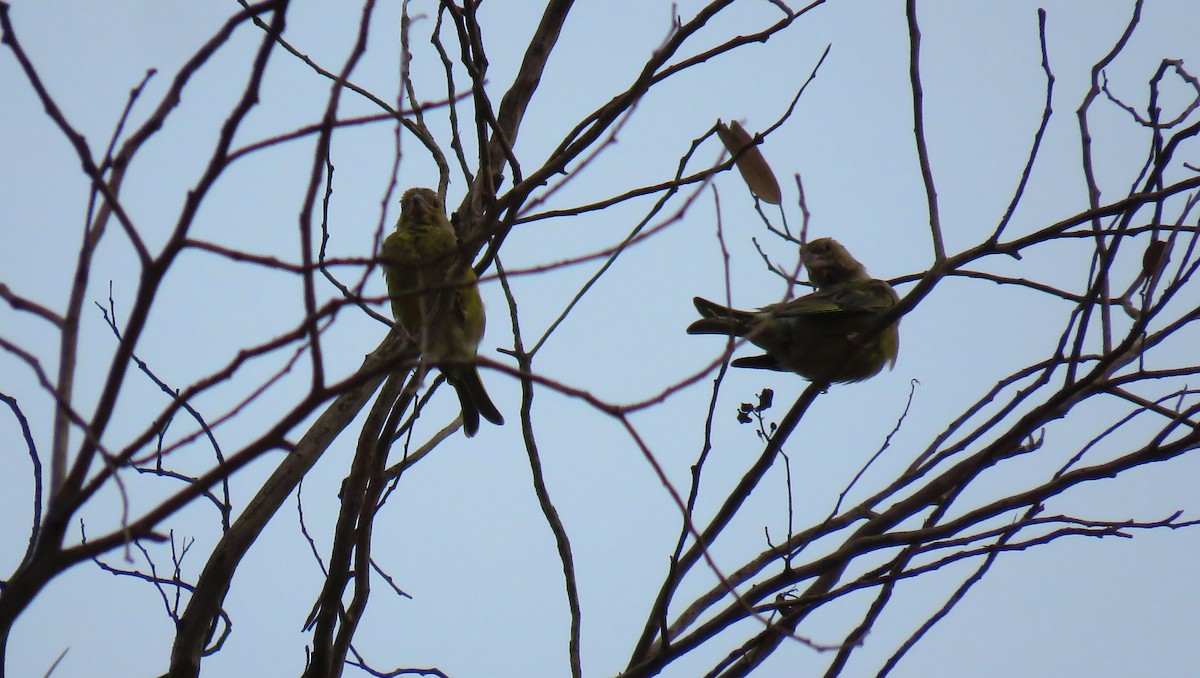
{"x": 445, "y": 316}
{"x": 820, "y": 335}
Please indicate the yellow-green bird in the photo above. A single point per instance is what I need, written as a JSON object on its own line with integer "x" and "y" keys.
{"x": 445, "y": 316}
{"x": 820, "y": 335}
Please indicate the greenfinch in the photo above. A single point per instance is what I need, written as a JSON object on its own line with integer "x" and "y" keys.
{"x": 445, "y": 316}
{"x": 820, "y": 336}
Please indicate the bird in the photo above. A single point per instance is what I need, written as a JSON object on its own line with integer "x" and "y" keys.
{"x": 445, "y": 316}
{"x": 822, "y": 335}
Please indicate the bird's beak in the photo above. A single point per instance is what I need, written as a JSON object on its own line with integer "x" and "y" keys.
{"x": 814, "y": 262}
{"x": 417, "y": 208}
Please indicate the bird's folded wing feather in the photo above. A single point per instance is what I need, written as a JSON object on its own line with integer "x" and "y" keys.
{"x": 872, "y": 296}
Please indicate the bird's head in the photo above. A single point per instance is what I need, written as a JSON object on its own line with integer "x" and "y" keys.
{"x": 420, "y": 205}
{"x": 829, "y": 263}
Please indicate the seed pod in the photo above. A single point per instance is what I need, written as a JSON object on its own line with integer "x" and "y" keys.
{"x": 750, "y": 162}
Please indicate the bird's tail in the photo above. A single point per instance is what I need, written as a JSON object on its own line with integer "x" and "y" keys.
{"x": 718, "y": 319}
{"x": 472, "y": 398}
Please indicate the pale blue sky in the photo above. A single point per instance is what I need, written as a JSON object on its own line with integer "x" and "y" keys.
{"x": 464, "y": 534}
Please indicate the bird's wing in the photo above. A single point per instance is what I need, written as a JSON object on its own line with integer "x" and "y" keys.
{"x": 868, "y": 296}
